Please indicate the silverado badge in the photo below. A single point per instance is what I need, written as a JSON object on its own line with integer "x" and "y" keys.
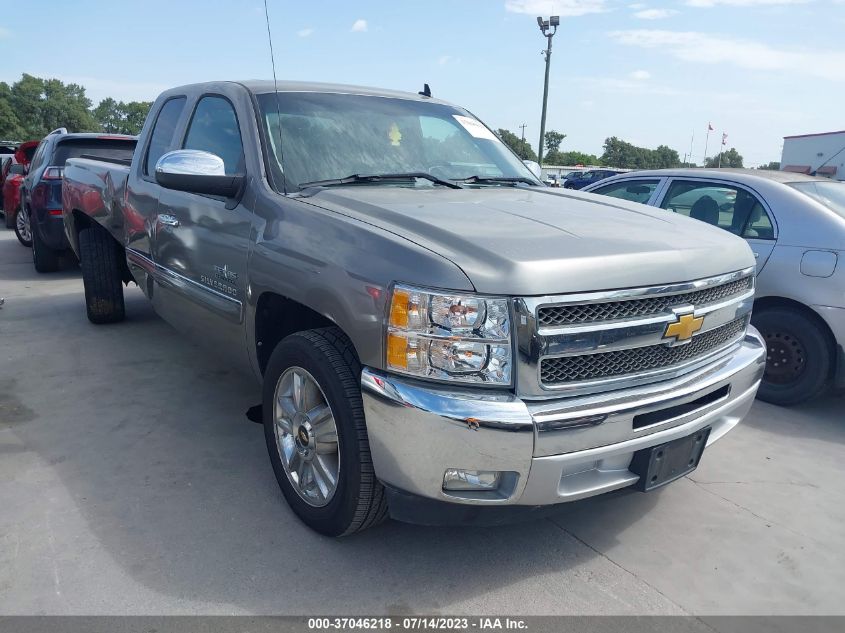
{"x": 683, "y": 328}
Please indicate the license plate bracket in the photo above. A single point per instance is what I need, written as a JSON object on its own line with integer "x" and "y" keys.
{"x": 660, "y": 465}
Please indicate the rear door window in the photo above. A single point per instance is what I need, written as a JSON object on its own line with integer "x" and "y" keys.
{"x": 162, "y": 137}
{"x": 633, "y": 190}
{"x": 727, "y": 206}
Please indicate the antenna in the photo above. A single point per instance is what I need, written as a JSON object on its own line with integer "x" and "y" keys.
{"x": 278, "y": 107}
{"x": 426, "y": 91}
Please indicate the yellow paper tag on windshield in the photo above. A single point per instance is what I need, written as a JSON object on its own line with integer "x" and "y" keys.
{"x": 394, "y": 135}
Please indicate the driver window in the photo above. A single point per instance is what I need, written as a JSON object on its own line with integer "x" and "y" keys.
{"x": 446, "y": 148}
{"x": 214, "y": 128}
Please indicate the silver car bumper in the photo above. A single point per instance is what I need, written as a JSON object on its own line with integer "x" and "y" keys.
{"x": 417, "y": 431}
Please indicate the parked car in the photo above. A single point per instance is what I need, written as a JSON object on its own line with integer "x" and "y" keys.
{"x": 438, "y": 335}
{"x": 41, "y": 190}
{"x": 589, "y": 177}
{"x": 795, "y": 225}
{"x": 7, "y": 150}
{"x": 11, "y": 191}
{"x": 12, "y": 200}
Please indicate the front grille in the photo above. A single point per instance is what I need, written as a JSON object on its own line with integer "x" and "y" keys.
{"x": 557, "y": 371}
{"x": 550, "y": 316}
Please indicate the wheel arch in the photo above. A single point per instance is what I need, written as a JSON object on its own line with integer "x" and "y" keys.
{"x": 276, "y": 317}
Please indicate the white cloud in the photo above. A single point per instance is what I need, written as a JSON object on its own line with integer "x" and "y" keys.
{"x": 743, "y": 3}
{"x": 713, "y": 49}
{"x": 654, "y": 14}
{"x": 563, "y": 8}
{"x": 305, "y": 32}
{"x": 359, "y": 26}
{"x": 638, "y": 5}
{"x": 640, "y": 75}
{"x": 444, "y": 59}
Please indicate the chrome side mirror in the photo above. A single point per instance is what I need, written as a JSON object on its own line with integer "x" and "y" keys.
{"x": 196, "y": 171}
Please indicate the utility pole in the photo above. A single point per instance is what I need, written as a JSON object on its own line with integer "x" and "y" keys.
{"x": 548, "y": 28}
{"x": 522, "y": 127}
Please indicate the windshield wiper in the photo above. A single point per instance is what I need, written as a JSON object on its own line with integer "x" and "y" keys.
{"x": 362, "y": 178}
{"x": 499, "y": 179}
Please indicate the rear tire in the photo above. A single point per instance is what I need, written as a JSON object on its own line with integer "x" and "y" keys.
{"x": 799, "y": 356}
{"x": 357, "y": 500}
{"x": 44, "y": 259}
{"x": 98, "y": 258}
{"x": 10, "y": 218}
{"x": 20, "y": 221}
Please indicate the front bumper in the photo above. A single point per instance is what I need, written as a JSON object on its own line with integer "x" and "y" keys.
{"x": 417, "y": 431}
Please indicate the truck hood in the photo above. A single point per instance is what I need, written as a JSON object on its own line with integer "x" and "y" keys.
{"x": 533, "y": 241}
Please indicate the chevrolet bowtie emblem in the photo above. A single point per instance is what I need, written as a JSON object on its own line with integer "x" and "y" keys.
{"x": 684, "y": 327}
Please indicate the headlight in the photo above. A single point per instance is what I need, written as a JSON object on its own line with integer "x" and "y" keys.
{"x": 455, "y": 337}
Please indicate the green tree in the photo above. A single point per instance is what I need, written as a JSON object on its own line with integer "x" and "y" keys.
{"x": 774, "y": 165}
{"x": 42, "y": 105}
{"x": 619, "y": 153}
{"x": 521, "y": 148}
{"x": 108, "y": 115}
{"x": 730, "y": 158}
{"x": 117, "y": 117}
{"x": 135, "y": 113}
{"x": 10, "y": 128}
{"x": 552, "y": 141}
{"x": 577, "y": 158}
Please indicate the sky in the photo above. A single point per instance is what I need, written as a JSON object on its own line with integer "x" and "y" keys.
{"x": 650, "y": 72}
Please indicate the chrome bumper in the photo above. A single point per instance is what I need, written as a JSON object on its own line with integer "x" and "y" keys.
{"x": 417, "y": 431}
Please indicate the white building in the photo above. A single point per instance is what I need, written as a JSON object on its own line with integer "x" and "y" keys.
{"x": 820, "y": 154}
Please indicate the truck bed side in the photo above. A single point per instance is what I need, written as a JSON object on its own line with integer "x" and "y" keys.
{"x": 93, "y": 190}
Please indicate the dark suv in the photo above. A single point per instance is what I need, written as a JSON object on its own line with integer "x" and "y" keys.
{"x": 41, "y": 190}
{"x": 588, "y": 178}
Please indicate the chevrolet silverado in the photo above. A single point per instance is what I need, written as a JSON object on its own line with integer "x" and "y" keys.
{"x": 440, "y": 338}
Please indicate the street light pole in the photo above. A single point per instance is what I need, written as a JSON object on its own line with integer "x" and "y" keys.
{"x": 548, "y": 28}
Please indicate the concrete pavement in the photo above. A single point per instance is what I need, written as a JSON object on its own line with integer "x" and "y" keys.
{"x": 132, "y": 483}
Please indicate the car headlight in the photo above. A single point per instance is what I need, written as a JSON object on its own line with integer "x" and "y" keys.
{"x": 449, "y": 336}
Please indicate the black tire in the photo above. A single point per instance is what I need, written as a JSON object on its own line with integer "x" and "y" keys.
{"x": 359, "y": 501}
{"x": 45, "y": 259}
{"x": 10, "y": 219}
{"x": 98, "y": 255}
{"x": 799, "y": 356}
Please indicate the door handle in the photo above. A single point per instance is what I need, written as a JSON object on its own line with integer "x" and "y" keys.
{"x": 168, "y": 220}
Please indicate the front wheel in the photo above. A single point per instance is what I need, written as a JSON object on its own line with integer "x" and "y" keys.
{"x": 798, "y": 356}
{"x": 316, "y": 433}
{"x": 22, "y": 229}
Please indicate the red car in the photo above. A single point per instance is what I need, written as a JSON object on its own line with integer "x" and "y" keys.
{"x": 12, "y": 191}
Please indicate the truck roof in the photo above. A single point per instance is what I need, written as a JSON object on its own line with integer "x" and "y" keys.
{"x": 264, "y": 86}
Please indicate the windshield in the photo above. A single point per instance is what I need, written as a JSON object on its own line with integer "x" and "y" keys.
{"x": 328, "y": 136}
{"x": 830, "y": 194}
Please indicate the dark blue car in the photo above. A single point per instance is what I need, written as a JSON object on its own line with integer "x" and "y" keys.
{"x": 41, "y": 190}
{"x": 588, "y": 178}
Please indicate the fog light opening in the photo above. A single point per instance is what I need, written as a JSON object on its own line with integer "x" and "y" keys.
{"x": 459, "y": 479}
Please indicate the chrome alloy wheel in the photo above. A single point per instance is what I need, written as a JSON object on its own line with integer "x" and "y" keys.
{"x": 306, "y": 436}
{"x": 22, "y": 222}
